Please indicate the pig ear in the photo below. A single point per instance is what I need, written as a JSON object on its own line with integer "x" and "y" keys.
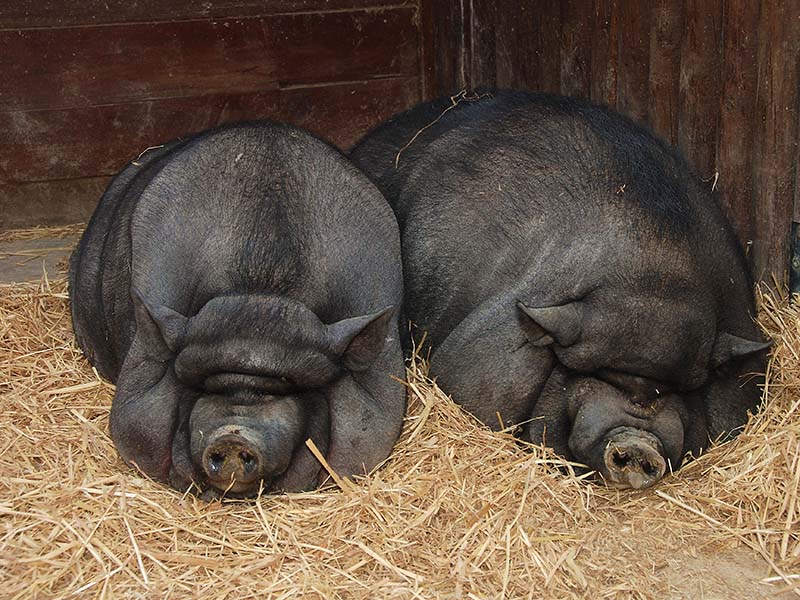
{"x": 561, "y": 324}
{"x": 359, "y": 340}
{"x": 160, "y": 328}
{"x": 729, "y": 346}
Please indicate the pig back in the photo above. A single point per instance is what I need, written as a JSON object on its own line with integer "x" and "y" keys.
{"x": 543, "y": 197}
{"x": 252, "y": 208}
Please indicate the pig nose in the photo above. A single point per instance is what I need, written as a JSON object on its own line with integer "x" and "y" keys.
{"x": 633, "y": 459}
{"x": 232, "y": 460}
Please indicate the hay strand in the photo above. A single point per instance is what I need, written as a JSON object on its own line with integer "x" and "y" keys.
{"x": 457, "y": 511}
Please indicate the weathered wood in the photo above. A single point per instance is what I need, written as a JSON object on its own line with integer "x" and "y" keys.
{"x": 605, "y": 52}
{"x": 97, "y": 141}
{"x": 736, "y": 108}
{"x": 634, "y": 59}
{"x": 49, "y": 203}
{"x": 517, "y": 46}
{"x": 576, "y": 47}
{"x": 451, "y": 60}
{"x": 549, "y": 12}
{"x": 700, "y": 84}
{"x": 101, "y": 140}
{"x": 666, "y": 33}
{"x": 80, "y": 66}
{"x": 21, "y": 14}
{"x": 427, "y": 51}
{"x": 482, "y": 43}
{"x": 776, "y": 136}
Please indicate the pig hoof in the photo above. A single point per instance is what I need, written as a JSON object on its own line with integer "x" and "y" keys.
{"x": 634, "y": 461}
{"x": 232, "y": 462}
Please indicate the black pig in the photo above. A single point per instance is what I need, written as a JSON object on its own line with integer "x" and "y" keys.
{"x": 574, "y": 277}
{"x": 241, "y": 287}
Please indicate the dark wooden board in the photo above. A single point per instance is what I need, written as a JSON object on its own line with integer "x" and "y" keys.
{"x": 80, "y": 66}
{"x": 776, "y": 135}
{"x": 49, "y": 203}
{"x": 449, "y": 47}
{"x": 22, "y": 14}
{"x": 633, "y": 69}
{"x": 577, "y": 18}
{"x": 700, "y": 84}
{"x": 548, "y": 23}
{"x": 97, "y": 141}
{"x": 100, "y": 140}
{"x": 666, "y": 33}
{"x": 736, "y": 111}
{"x": 518, "y": 35}
{"x": 605, "y": 52}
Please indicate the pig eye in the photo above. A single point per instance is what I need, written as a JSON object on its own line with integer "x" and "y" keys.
{"x": 233, "y": 382}
{"x": 645, "y": 391}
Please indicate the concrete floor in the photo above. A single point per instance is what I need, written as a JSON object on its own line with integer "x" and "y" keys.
{"x": 28, "y": 260}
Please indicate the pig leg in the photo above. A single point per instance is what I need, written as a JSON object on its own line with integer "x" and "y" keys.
{"x": 490, "y": 366}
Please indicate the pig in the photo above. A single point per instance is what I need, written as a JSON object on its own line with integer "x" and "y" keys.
{"x": 242, "y": 288}
{"x": 576, "y": 280}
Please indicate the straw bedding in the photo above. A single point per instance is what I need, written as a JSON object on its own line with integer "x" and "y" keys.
{"x": 456, "y": 512}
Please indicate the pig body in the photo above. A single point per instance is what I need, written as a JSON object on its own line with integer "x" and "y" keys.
{"x": 573, "y": 276}
{"x": 241, "y": 287}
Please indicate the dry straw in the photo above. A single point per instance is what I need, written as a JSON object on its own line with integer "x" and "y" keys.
{"x": 456, "y": 512}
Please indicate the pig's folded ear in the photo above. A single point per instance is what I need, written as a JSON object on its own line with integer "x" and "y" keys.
{"x": 561, "y": 324}
{"x": 359, "y": 340}
{"x": 728, "y": 346}
{"x": 159, "y": 328}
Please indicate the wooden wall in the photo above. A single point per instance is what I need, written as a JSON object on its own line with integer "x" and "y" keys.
{"x": 719, "y": 78}
{"x": 84, "y": 86}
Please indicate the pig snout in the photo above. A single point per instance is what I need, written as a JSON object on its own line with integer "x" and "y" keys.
{"x": 234, "y": 458}
{"x": 633, "y": 458}
{"x": 630, "y": 446}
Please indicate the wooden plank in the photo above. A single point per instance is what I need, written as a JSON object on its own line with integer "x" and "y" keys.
{"x": 549, "y": 45}
{"x": 665, "y": 63}
{"x": 576, "y": 47}
{"x": 700, "y": 84}
{"x": 451, "y": 65}
{"x": 776, "y": 136}
{"x": 97, "y": 141}
{"x": 49, "y": 203}
{"x": 22, "y": 14}
{"x": 80, "y": 66}
{"x": 634, "y": 59}
{"x": 736, "y": 108}
{"x": 427, "y": 50}
{"x": 517, "y": 46}
{"x": 482, "y": 39}
{"x": 605, "y": 52}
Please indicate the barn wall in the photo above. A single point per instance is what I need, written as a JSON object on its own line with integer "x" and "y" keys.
{"x": 86, "y": 85}
{"x": 719, "y": 78}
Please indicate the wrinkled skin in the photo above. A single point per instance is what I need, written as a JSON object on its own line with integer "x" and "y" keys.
{"x": 242, "y": 289}
{"x": 574, "y": 277}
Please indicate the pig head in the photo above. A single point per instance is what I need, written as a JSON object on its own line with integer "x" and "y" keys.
{"x": 226, "y": 399}
{"x": 638, "y": 382}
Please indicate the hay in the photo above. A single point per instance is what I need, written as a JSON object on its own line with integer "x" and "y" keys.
{"x": 37, "y": 233}
{"x": 456, "y": 512}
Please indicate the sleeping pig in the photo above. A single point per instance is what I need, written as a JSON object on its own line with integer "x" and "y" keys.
{"x": 574, "y": 277}
{"x": 242, "y": 289}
